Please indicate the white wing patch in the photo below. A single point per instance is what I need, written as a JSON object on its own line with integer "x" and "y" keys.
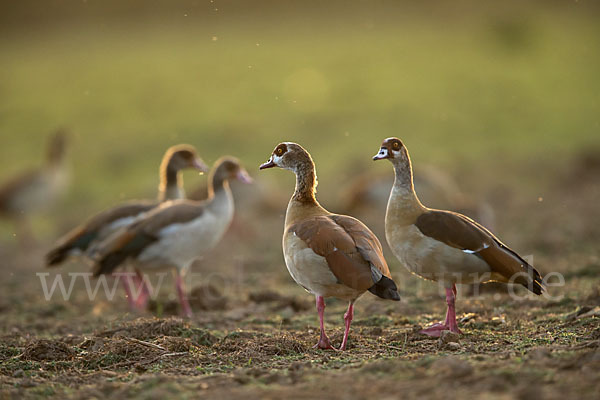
{"x": 476, "y": 251}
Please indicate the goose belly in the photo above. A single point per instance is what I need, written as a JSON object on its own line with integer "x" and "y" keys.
{"x": 41, "y": 193}
{"x": 32, "y": 197}
{"x": 180, "y": 244}
{"x": 311, "y": 271}
{"x": 434, "y": 260}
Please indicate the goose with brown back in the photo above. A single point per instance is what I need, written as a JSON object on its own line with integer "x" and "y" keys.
{"x": 98, "y": 227}
{"x": 83, "y": 240}
{"x": 445, "y": 246}
{"x": 176, "y": 233}
{"x": 330, "y": 255}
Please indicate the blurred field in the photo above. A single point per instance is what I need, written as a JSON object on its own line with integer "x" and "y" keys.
{"x": 459, "y": 85}
{"x": 506, "y": 98}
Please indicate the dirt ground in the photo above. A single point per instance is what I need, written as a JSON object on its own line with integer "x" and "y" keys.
{"x": 254, "y": 338}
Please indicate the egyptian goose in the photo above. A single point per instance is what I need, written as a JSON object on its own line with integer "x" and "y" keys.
{"x": 176, "y": 233}
{"x": 36, "y": 189}
{"x": 83, "y": 238}
{"x": 329, "y": 255}
{"x": 445, "y": 246}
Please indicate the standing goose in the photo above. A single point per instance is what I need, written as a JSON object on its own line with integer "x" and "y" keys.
{"x": 86, "y": 236}
{"x": 330, "y": 255}
{"x": 445, "y": 246}
{"x": 36, "y": 189}
{"x": 176, "y": 233}
{"x": 84, "y": 239}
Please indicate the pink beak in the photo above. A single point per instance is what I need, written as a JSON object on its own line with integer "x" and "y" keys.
{"x": 199, "y": 165}
{"x": 243, "y": 176}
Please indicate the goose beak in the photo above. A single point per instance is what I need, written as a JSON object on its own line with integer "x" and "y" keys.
{"x": 243, "y": 176}
{"x": 382, "y": 155}
{"x": 199, "y": 165}
{"x": 268, "y": 164}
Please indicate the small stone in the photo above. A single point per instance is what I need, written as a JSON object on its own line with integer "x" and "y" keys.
{"x": 449, "y": 340}
{"x": 468, "y": 317}
{"x": 448, "y": 336}
{"x": 18, "y": 373}
{"x": 452, "y": 346}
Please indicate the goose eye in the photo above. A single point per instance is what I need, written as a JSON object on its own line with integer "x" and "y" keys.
{"x": 396, "y": 145}
{"x": 279, "y": 151}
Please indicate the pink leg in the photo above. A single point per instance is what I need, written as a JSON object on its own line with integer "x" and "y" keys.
{"x": 449, "y": 324}
{"x": 142, "y": 290}
{"x": 447, "y": 320}
{"x": 185, "y": 305}
{"x": 136, "y": 291}
{"x": 323, "y": 340}
{"x": 348, "y": 320}
{"x": 128, "y": 294}
{"x": 451, "y": 314}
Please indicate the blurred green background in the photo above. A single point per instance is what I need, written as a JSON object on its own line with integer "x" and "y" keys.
{"x": 466, "y": 84}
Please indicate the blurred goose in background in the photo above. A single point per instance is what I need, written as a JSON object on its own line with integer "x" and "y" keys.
{"x": 83, "y": 240}
{"x": 100, "y": 226}
{"x": 176, "y": 233}
{"x": 36, "y": 189}
{"x": 445, "y": 246}
{"x": 330, "y": 255}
